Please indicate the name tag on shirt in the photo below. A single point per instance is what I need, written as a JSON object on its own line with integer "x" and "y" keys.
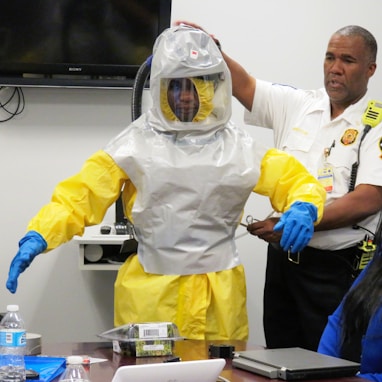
{"x": 325, "y": 177}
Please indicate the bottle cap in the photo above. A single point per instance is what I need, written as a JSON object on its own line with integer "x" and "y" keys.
{"x": 12, "y": 308}
{"x": 74, "y": 360}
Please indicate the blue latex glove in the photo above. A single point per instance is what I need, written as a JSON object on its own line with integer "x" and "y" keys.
{"x": 298, "y": 226}
{"x": 30, "y": 246}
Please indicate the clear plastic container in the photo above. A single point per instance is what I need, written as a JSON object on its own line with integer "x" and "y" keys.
{"x": 148, "y": 339}
{"x": 12, "y": 346}
{"x": 74, "y": 371}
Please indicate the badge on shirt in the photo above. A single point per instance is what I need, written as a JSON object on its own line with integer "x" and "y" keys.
{"x": 349, "y": 136}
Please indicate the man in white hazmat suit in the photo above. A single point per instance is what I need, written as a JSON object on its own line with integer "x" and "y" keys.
{"x": 186, "y": 173}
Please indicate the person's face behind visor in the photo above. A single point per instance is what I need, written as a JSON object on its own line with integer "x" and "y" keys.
{"x": 187, "y": 99}
{"x": 183, "y": 99}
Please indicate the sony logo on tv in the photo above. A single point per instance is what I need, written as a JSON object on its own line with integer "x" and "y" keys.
{"x": 75, "y": 69}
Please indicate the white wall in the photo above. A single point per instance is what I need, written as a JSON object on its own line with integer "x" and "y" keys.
{"x": 277, "y": 40}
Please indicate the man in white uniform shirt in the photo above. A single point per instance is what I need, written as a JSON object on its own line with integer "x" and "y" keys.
{"x": 323, "y": 129}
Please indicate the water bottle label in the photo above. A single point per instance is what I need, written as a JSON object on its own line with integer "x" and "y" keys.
{"x": 13, "y": 338}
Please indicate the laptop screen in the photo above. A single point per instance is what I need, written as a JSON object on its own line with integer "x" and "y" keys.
{"x": 185, "y": 371}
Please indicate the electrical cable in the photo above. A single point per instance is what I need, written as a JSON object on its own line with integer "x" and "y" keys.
{"x": 365, "y": 229}
{"x": 17, "y": 96}
{"x": 354, "y": 169}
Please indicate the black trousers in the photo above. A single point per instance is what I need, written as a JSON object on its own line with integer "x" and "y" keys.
{"x": 298, "y": 298}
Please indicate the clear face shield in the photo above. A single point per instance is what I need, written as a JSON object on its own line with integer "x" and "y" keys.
{"x": 193, "y": 99}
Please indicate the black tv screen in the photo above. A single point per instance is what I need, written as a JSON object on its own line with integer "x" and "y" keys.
{"x": 77, "y": 42}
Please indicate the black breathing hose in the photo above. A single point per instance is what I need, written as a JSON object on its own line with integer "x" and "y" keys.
{"x": 136, "y": 111}
{"x": 139, "y": 84}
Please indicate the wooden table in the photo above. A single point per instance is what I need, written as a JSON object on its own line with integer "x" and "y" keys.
{"x": 187, "y": 350}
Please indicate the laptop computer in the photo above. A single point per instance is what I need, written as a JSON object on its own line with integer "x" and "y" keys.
{"x": 294, "y": 364}
{"x": 184, "y": 371}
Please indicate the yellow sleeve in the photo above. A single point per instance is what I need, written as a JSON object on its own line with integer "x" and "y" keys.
{"x": 80, "y": 201}
{"x": 285, "y": 180}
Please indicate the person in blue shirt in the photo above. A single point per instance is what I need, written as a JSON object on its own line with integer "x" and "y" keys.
{"x": 354, "y": 330}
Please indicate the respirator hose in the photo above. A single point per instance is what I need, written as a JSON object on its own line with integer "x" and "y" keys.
{"x": 139, "y": 84}
{"x": 136, "y": 111}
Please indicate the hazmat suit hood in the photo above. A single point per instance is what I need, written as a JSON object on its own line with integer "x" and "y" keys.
{"x": 189, "y": 168}
{"x": 182, "y": 53}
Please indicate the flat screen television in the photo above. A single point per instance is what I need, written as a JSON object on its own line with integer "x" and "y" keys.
{"x": 77, "y": 42}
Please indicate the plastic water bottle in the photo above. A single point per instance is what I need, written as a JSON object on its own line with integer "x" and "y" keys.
{"x": 12, "y": 346}
{"x": 74, "y": 371}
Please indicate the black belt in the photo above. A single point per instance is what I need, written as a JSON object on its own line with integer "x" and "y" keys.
{"x": 350, "y": 255}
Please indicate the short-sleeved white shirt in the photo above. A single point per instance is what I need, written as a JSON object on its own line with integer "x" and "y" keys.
{"x": 302, "y": 127}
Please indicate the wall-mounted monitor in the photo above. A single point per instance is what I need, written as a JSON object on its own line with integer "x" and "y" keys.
{"x": 79, "y": 43}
